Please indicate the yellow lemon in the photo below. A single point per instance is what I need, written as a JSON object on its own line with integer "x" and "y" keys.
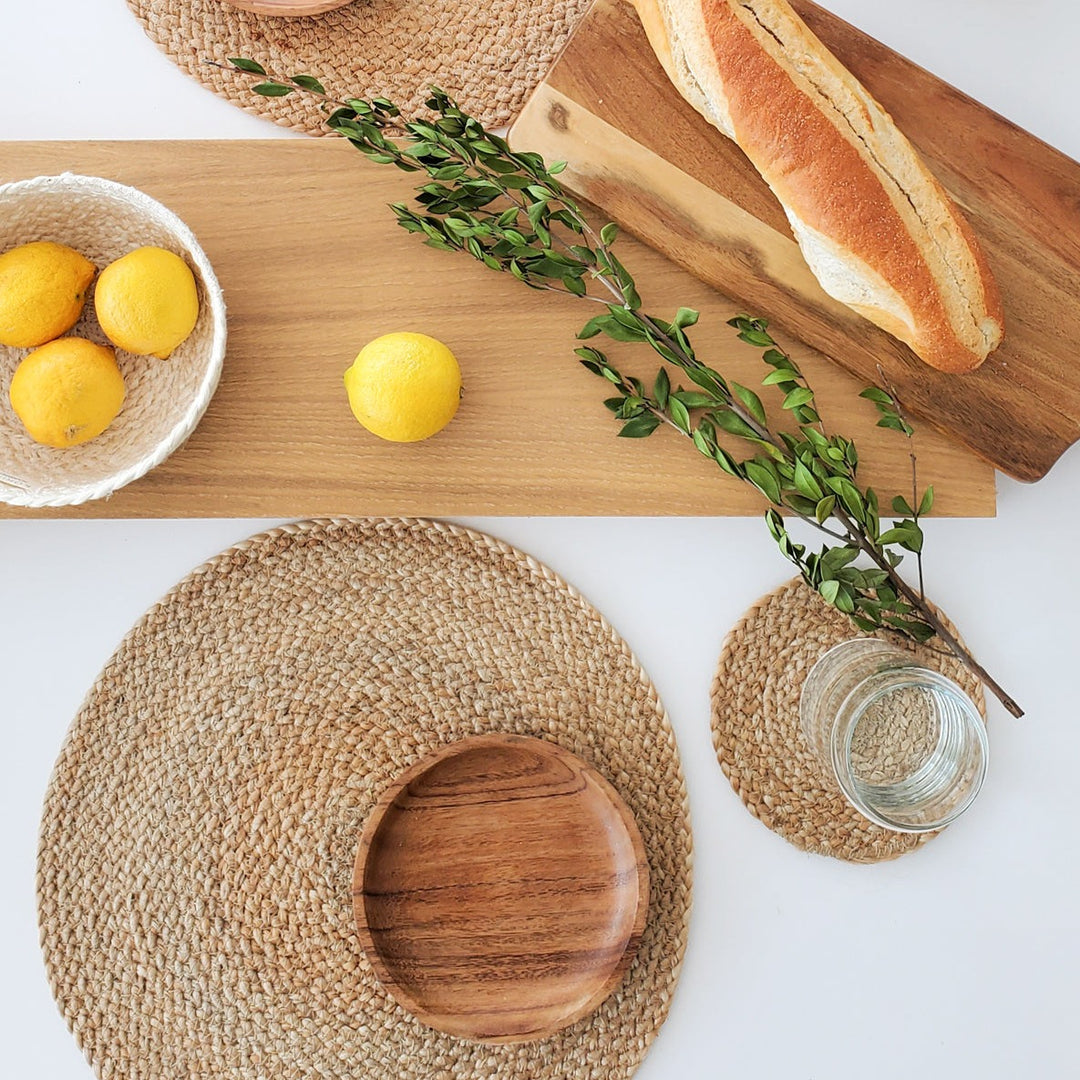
{"x": 67, "y": 392}
{"x": 147, "y": 302}
{"x": 42, "y": 292}
{"x": 404, "y": 387}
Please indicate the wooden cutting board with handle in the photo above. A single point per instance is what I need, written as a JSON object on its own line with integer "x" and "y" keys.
{"x": 313, "y": 266}
{"x": 647, "y": 159}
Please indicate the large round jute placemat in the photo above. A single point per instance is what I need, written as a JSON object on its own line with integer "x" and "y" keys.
{"x": 758, "y": 736}
{"x": 200, "y": 828}
{"x": 489, "y": 54}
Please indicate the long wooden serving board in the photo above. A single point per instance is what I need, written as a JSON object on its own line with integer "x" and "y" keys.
{"x": 313, "y": 266}
{"x": 639, "y": 152}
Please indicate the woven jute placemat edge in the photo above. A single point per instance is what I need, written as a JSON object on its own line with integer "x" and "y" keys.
{"x": 389, "y": 523}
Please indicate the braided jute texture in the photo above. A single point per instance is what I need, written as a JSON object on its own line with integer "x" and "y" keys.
{"x": 489, "y": 54}
{"x": 758, "y": 736}
{"x": 201, "y": 824}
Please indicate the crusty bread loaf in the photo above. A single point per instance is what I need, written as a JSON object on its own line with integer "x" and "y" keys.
{"x": 877, "y": 229}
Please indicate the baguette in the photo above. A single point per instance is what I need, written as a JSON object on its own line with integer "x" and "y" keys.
{"x": 875, "y": 226}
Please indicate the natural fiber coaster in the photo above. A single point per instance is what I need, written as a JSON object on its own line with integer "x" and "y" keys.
{"x": 758, "y": 736}
{"x": 488, "y": 55}
{"x": 200, "y": 828}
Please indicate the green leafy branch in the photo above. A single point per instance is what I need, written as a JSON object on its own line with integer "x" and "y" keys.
{"x": 508, "y": 210}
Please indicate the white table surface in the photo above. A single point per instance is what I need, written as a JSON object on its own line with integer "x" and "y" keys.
{"x": 960, "y": 960}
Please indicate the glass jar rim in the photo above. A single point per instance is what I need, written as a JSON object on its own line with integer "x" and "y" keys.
{"x": 841, "y": 749}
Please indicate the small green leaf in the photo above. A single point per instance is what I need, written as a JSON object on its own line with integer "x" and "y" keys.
{"x": 829, "y": 590}
{"x": 639, "y": 427}
{"x": 877, "y": 395}
{"x": 727, "y": 421}
{"x": 824, "y": 508}
{"x": 751, "y": 401}
{"x": 927, "y": 503}
{"x": 755, "y": 337}
{"x": 801, "y": 395}
{"x": 308, "y": 82}
{"x": 618, "y": 331}
{"x": 804, "y": 506}
{"x": 775, "y": 524}
{"x": 845, "y": 601}
{"x": 694, "y": 400}
{"x": 273, "y": 89}
{"x": 806, "y": 484}
{"x": 241, "y": 63}
{"x": 849, "y": 495}
{"x": 893, "y": 423}
{"x": 900, "y": 506}
{"x": 573, "y": 285}
{"x": 662, "y": 388}
{"x": 907, "y": 534}
{"x": 921, "y": 632}
{"x": 679, "y": 414}
{"x": 838, "y": 557}
{"x": 631, "y": 406}
{"x": 777, "y": 359}
{"x": 708, "y": 380}
{"x": 764, "y": 480}
{"x": 727, "y": 462}
{"x": 608, "y": 234}
{"x": 914, "y": 539}
{"x": 777, "y": 378}
{"x": 685, "y": 317}
{"x": 592, "y": 327}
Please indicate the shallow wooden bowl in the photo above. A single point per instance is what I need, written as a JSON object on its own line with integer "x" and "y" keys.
{"x": 288, "y": 8}
{"x": 500, "y": 889}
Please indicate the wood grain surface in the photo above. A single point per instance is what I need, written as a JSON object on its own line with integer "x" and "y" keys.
{"x": 638, "y": 151}
{"x": 501, "y": 889}
{"x": 313, "y": 267}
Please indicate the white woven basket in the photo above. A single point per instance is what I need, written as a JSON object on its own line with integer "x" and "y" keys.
{"x": 165, "y": 398}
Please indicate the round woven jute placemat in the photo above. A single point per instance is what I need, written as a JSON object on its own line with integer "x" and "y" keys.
{"x": 201, "y": 824}
{"x": 758, "y": 736}
{"x": 488, "y": 55}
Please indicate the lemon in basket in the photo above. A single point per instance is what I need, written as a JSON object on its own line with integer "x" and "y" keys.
{"x": 147, "y": 301}
{"x": 404, "y": 387}
{"x": 42, "y": 292}
{"x": 67, "y": 392}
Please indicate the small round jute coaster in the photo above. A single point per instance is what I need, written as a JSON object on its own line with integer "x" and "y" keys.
{"x": 489, "y": 55}
{"x": 199, "y": 831}
{"x": 758, "y": 736}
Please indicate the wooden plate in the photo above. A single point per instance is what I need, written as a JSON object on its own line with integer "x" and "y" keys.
{"x": 288, "y": 8}
{"x": 500, "y": 889}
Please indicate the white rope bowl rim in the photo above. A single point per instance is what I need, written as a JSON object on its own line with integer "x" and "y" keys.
{"x": 165, "y": 398}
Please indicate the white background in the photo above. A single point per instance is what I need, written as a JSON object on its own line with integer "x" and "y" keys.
{"x": 961, "y": 960}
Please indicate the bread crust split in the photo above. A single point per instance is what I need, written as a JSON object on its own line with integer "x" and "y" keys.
{"x": 875, "y": 226}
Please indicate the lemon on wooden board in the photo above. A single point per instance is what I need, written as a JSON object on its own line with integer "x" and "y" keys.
{"x": 147, "y": 301}
{"x": 67, "y": 392}
{"x": 42, "y": 292}
{"x": 404, "y": 387}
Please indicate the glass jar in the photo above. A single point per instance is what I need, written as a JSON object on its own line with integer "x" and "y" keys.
{"x": 907, "y": 745}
